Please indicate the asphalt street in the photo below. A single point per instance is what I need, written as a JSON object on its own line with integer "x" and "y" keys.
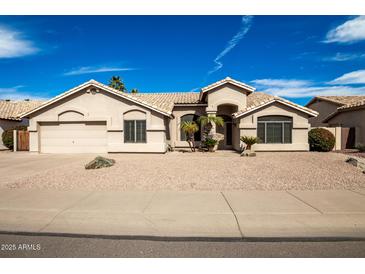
{"x": 54, "y": 246}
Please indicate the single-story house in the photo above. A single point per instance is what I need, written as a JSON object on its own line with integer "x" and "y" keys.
{"x": 95, "y": 118}
{"x": 9, "y": 115}
{"x": 341, "y": 111}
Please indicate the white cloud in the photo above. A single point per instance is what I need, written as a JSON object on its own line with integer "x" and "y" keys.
{"x": 351, "y": 31}
{"x": 354, "y": 77}
{"x": 12, "y": 44}
{"x": 340, "y": 57}
{"x": 245, "y": 27}
{"x": 95, "y": 69}
{"x": 281, "y": 82}
{"x": 14, "y": 93}
{"x": 292, "y": 88}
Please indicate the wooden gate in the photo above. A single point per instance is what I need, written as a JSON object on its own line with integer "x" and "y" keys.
{"x": 347, "y": 137}
{"x": 22, "y": 140}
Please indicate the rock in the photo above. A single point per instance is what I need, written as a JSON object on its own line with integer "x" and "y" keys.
{"x": 357, "y": 162}
{"x": 351, "y": 161}
{"x": 248, "y": 153}
{"x": 100, "y": 162}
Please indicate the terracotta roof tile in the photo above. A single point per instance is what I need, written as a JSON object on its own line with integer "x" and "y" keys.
{"x": 166, "y": 101}
{"x": 11, "y": 110}
{"x": 343, "y": 100}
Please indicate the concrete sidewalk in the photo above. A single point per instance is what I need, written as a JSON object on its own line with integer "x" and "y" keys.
{"x": 335, "y": 213}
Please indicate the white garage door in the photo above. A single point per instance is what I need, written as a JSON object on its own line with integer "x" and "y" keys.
{"x": 73, "y": 137}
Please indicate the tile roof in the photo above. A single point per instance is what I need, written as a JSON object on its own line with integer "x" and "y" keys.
{"x": 345, "y": 103}
{"x": 11, "y": 110}
{"x": 343, "y": 100}
{"x": 348, "y": 107}
{"x": 93, "y": 83}
{"x": 358, "y": 103}
{"x": 166, "y": 101}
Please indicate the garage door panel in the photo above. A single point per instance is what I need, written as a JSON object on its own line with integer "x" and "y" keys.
{"x": 65, "y": 137}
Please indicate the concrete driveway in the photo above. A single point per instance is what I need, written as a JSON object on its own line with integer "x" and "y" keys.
{"x": 24, "y": 164}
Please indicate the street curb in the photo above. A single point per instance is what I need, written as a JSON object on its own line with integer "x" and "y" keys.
{"x": 185, "y": 239}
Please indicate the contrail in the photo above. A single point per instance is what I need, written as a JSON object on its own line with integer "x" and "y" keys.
{"x": 245, "y": 27}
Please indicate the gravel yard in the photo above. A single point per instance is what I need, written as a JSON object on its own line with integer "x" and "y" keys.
{"x": 190, "y": 171}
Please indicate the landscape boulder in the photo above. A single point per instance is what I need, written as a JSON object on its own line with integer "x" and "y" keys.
{"x": 100, "y": 162}
{"x": 357, "y": 162}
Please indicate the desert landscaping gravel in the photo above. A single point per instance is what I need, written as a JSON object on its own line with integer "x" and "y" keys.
{"x": 200, "y": 171}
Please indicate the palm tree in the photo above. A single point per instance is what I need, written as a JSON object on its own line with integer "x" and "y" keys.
{"x": 207, "y": 122}
{"x": 117, "y": 83}
{"x": 190, "y": 127}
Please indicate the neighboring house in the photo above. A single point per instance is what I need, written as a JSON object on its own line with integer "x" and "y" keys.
{"x": 347, "y": 112}
{"x": 95, "y": 118}
{"x": 326, "y": 105}
{"x": 9, "y": 115}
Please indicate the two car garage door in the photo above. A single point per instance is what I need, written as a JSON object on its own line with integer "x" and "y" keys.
{"x": 73, "y": 137}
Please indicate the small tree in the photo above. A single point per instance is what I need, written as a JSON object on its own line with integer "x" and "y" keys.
{"x": 134, "y": 90}
{"x": 190, "y": 127}
{"x": 207, "y": 122}
{"x": 249, "y": 141}
{"x": 117, "y": 83}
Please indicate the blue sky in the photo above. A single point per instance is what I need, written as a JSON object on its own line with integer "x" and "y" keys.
{"x": 295, "y": 57}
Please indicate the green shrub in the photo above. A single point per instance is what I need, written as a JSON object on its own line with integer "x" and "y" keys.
{"x": 7, "y": 136}
{"x": 209, "y": 142}
{"x": 249, "y": 141}
{"x": 321, "y": 139}
{"x": 360, "y": 147}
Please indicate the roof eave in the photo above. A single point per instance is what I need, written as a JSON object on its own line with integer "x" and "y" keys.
{"x": 309, "y": 112}
{"x": 99, "y": 85}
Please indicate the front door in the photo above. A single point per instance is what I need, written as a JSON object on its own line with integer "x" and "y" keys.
{"x": 228, "y": 135}
{"x": 226, "y": 130}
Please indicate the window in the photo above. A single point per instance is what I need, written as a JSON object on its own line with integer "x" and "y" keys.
{"x": 134, "y": 131}
{"x": 275, "y": 129}
{"x": 189, "y": 117}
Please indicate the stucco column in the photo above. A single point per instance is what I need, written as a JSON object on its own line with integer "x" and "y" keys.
{"x": 213, "y": 130}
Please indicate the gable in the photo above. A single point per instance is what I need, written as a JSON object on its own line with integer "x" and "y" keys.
{"x": 226, "y": 94}
{"x": 276, "y": 100}
{"x": 94, "y": 87}
{"x": 83, "y": 104}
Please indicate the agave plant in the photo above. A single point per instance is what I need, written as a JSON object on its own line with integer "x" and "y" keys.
{"x": 249, "y": 141}
{"x": 190, "y": 127}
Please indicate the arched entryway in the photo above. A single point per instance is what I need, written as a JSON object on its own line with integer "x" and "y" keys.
{"x": 225, "y": 111}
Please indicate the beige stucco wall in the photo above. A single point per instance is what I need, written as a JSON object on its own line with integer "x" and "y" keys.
{"x": 324, "y": 108}
{"x": 248, "y": 126}
{"x": 103, "y": 106}
{"x": 354, "y": 118}
{"x": 6, "y": 124}
{"x": 226, "y": 94}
